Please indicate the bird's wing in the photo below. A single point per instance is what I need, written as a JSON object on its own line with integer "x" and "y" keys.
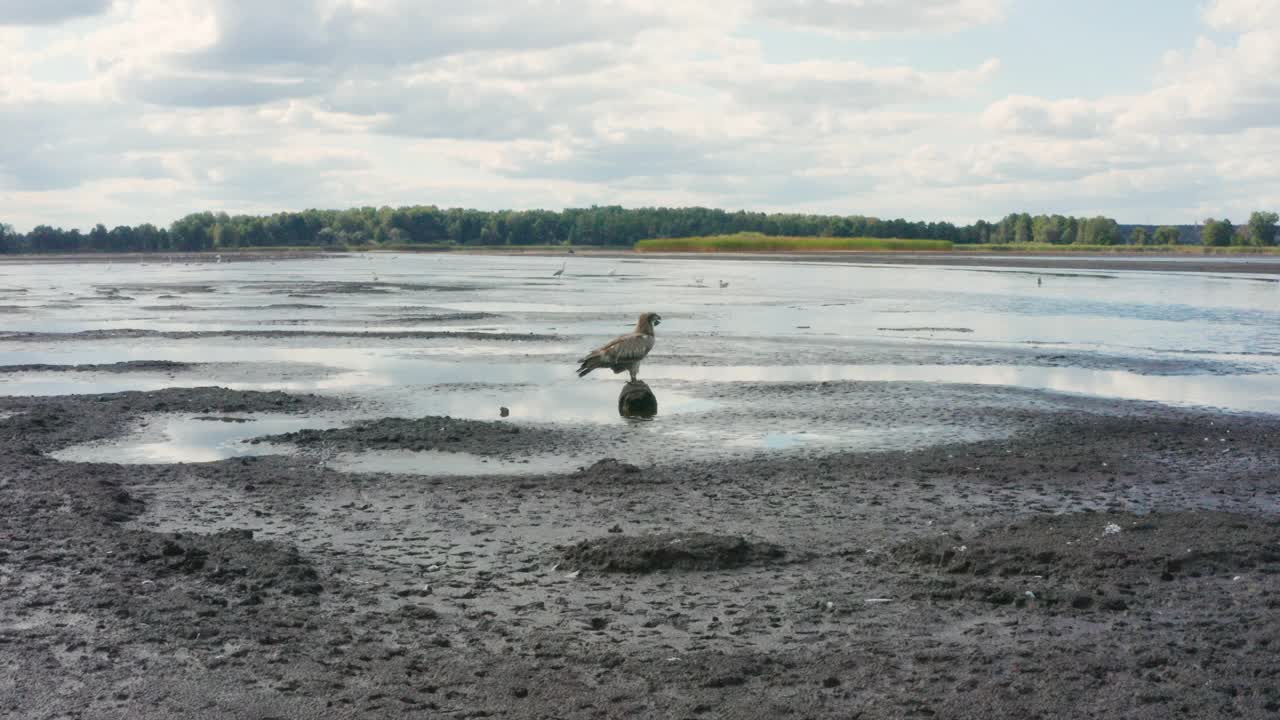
{"x": 626, "y": 349}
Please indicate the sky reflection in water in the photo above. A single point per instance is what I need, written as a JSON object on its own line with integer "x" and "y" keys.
{"x": 807, "y": 306}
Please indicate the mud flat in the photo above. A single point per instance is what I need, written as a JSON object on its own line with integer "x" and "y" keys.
{"x": 1111, "y": 560}
{"x": 160, "y": 258}
{"x": 118, "y": 367}
{"x": 138, "y": 333}
{"x": 1269, "y": 264}
{"x": 427, "y": 433}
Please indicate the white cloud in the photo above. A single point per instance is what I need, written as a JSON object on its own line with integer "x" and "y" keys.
{"x": 1210, "y": 88}
{"x": 48, "y": 12}
{"x": 866, "y": 18}
{"x": 1242, "y": 15}
{"x": 149, "y": 109}
{"x": 1021, "y": 114}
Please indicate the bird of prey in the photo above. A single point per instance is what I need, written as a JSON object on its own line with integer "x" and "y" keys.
{"x": 559, "y": 272}
{"x": 626, "y": 352}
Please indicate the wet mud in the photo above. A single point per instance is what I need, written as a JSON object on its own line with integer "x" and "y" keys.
{"x": 234, "y": 308}
{"x": 118, "y": 367}
{"x": 428, "y": 433}
{"x": 1041, "y": 260}
{"x": 135, "y": 333}
{"x": 43, "y": 424}
{"x": 667, "y": 551}
{"x": 1102, "y": 561}
{"x": 921, "y": 347}
{"x": 330, "y": 287}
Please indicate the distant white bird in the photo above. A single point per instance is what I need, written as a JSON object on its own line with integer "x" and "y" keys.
{"x": 613, "y": 271}
{"x": 625, "y": 352}
{"x": 724, "y": 284}
{"x": 559, "y": 272}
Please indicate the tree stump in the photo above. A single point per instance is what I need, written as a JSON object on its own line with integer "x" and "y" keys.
{"x": 637, "y": 401}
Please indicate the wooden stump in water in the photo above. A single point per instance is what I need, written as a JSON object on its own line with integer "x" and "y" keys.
{"x": 637, "y": 400}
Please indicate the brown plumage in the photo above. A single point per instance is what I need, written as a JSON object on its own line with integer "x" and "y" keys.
{"x": 626, "y": 352}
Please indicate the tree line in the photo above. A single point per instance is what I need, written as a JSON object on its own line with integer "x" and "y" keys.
{"x": 614, "y": 226}
{"x": 1259, "y": 231}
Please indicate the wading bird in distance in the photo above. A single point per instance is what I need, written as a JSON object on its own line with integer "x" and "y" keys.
{"x": 626, "y": 352}
{"x": 559, "y": 272}
{"x": 724, "y": 284}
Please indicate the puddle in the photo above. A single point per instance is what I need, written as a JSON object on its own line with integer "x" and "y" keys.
{"x": 178, "y": 439}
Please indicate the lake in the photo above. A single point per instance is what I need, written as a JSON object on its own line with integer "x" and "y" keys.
{"x": 786, "y": 357}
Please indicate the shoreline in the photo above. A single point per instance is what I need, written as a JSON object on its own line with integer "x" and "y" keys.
{"x": 162, "y": 258}
{"x": 1259, "y": 264}
{"x": 1146, "y": 262}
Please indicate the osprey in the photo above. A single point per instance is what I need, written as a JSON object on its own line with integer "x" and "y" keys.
{"x": 626, "y": 352}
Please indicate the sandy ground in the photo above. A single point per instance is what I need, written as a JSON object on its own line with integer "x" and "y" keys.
{"x": 1104, "y": 560}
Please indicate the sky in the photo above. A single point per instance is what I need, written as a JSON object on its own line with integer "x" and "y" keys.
{"x": 131, "y": 111}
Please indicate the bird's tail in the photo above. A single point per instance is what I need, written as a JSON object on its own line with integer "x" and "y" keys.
{"x": 588, "y": 364}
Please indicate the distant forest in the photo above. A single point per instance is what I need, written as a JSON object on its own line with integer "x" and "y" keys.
{"x": 430, "y": 226}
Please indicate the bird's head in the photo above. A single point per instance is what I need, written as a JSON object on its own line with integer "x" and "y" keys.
{"x": 648, "y": 321}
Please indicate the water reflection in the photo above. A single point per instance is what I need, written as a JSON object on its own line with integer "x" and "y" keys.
{"x": 186, "y": 438}
{"x": 546, "y": 392}
{"x": 780, "y": 322}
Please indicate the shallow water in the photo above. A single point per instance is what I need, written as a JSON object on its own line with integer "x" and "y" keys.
{"x": 186, "y": 438}
{"x": 773, "y": 323}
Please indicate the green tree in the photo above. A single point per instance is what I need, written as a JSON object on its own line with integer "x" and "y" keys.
{"x": 1022, "y": 229}
{"x": 8, "y": 239}
{"x": 1241, "y": 236}
{"x": 1167, "y": 235}
{"x": 1262, "y": 228}
{"x": 99, "y": 238}
{"x": 1216, "y": 233}
{"x": 225, "y": 235}
{"x": 1098, "y": 231}
{"x": 1139, "y": 236}
{"x": 1048, "y": 229}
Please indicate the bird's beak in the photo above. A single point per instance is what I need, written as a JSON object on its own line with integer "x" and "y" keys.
{"x": 657, "y": 319}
